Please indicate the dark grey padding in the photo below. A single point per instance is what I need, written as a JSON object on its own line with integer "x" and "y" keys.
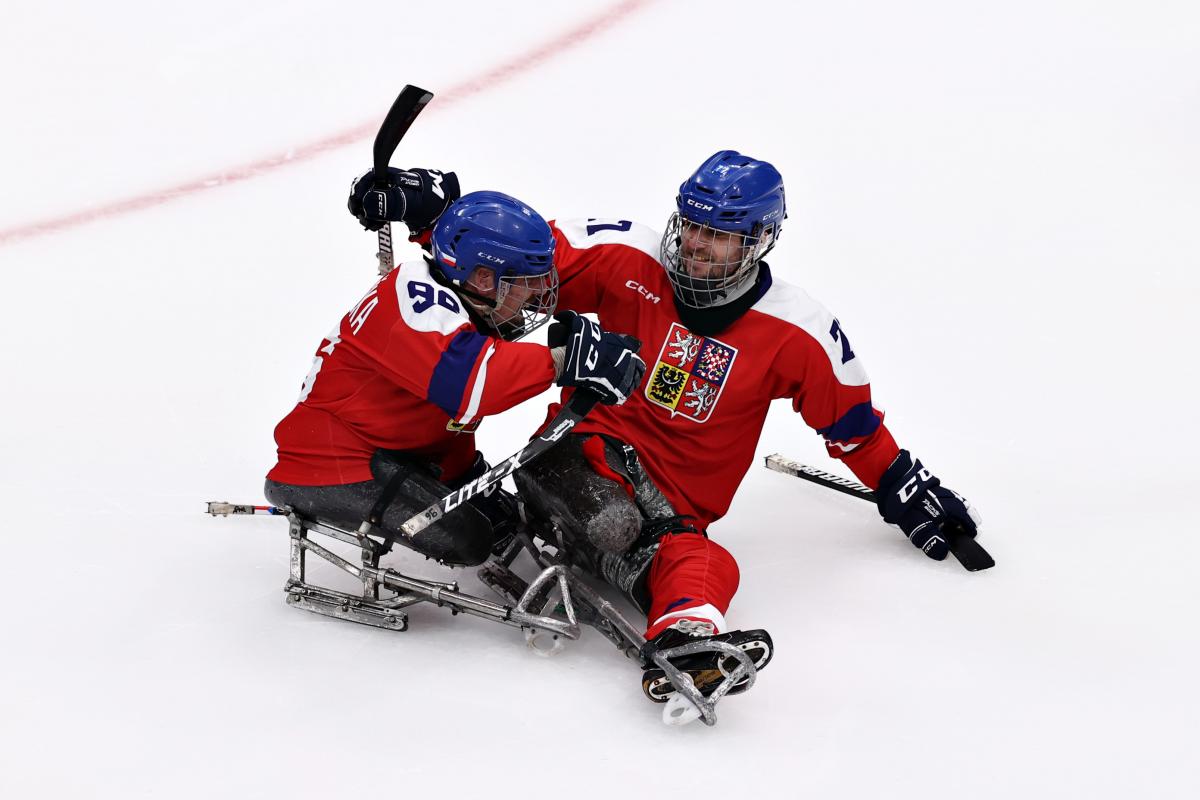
{"x": 464, "y": 536}
{"x": 563, "y": 487}
{"x": 611, "y": 535}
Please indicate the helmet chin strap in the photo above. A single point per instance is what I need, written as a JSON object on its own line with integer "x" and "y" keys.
{"x": 484, "y": 308}
{"x": 481, "y": 309}
{"x": 476, "y": 301}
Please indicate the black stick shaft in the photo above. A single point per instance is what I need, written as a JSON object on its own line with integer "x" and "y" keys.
{"x": 569, "y": 415}
{"x": 408, "y": 104}
{"x": 964, "y": 547}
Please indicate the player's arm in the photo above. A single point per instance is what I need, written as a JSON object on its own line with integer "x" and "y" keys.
{"x": 831, "y": 391}
{"x": 834, "y": 397}
{"x": 434, "y": 350}
{"x": 476, "y": 375}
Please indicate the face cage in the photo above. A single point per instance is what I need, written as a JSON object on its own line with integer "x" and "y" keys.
{"x": 534, "y": 299}
{"x": 727, "y": 279}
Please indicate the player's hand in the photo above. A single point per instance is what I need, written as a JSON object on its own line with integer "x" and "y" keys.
{"x": 416, "y": 197}
{"x": 911, "y": 497}
{"x": 592, "y": 358}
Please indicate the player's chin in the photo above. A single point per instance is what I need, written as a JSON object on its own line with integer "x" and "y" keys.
{"x": 701, "y": 274}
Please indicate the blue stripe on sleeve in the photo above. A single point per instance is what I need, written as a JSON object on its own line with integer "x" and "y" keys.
{"x": 448, "y": 383}
{"x": 859, "y": 421}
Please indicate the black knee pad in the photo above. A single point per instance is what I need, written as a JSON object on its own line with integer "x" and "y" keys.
{"x": 562, "y": 486}
{"x": 463, "y": 537}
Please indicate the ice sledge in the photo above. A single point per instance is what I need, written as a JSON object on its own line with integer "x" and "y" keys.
{"x": 550, "y": 609}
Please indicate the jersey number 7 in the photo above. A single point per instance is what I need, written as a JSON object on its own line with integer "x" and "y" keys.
{"x": 839, "y": 336}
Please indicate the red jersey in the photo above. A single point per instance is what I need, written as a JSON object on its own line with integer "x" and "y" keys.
{"x": 405, "y": 369}
{"x": 696, "y": 419}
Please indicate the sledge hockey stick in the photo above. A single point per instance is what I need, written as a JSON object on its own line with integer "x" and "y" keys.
{"x": 575, "y": 409}
{"x": 964, "y": 547}
{"x": 409, "y": 103}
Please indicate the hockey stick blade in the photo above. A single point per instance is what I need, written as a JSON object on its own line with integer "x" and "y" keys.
{"x": 969, "y": 552}
{"x": 963, "y": 546}
{"x": 409, "y": 103}
{"x": 575, "y": 409}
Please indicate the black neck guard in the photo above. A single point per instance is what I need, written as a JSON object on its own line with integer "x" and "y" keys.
{"x": 714, "y": 319}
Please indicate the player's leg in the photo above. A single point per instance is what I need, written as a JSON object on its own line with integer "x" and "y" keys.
{"x": 623, "y": 530}
{"x": 464, "y": 536}
{"x": 690, "y": 584}
{"x": 691, "y": 577}
{"x": 577, "y": 485}
{"x": 672, "y": 572}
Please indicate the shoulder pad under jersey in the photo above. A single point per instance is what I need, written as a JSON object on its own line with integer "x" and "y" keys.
{"x": 585, "y": 233}
{"x": 794, "y": 305}
{"x": 426, "y": 305}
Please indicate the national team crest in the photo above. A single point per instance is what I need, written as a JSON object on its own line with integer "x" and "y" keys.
{"x": 690, "y": 373}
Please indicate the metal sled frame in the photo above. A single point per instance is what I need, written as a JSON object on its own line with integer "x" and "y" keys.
{"x": 547, "y": 621}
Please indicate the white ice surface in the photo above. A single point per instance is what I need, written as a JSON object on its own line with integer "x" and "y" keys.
{"x": 999, "y": 200}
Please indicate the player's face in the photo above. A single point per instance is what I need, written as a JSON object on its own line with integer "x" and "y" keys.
{"x": 519, "y": 294}
{"x": 511, "y": 295}
{"x": 708, "y": 253}
{"x": 516, "y": 302}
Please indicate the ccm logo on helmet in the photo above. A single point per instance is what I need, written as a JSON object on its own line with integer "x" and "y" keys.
{"x": 701, "y": 206}
{"x": 643, "y": 291}
{"x": 491, "y": 258}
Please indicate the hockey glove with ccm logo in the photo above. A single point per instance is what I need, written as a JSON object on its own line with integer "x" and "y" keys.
{"x": 416, "y": 197}
{"x": 912, "y": 498}
{"x": 587, "y": 357}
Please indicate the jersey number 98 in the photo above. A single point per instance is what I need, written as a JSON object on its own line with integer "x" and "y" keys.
{"x": 425, "y": 297}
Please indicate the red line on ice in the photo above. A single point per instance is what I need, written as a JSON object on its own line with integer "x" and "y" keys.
{"x": 455, "y": 94}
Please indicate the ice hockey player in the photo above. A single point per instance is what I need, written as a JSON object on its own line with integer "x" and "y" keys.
{"x": 398, "y": 387}
{"x": 638, "y": 486}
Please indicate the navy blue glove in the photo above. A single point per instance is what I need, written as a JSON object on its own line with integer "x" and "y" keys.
{"x": 910, "y": 496}
{"x": 416, "y": 197}
{"x": 587, "y": 357}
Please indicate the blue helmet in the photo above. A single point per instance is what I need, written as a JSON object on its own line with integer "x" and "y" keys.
{"x": 499, "y": 253}
{"x": 729, "y": 215}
